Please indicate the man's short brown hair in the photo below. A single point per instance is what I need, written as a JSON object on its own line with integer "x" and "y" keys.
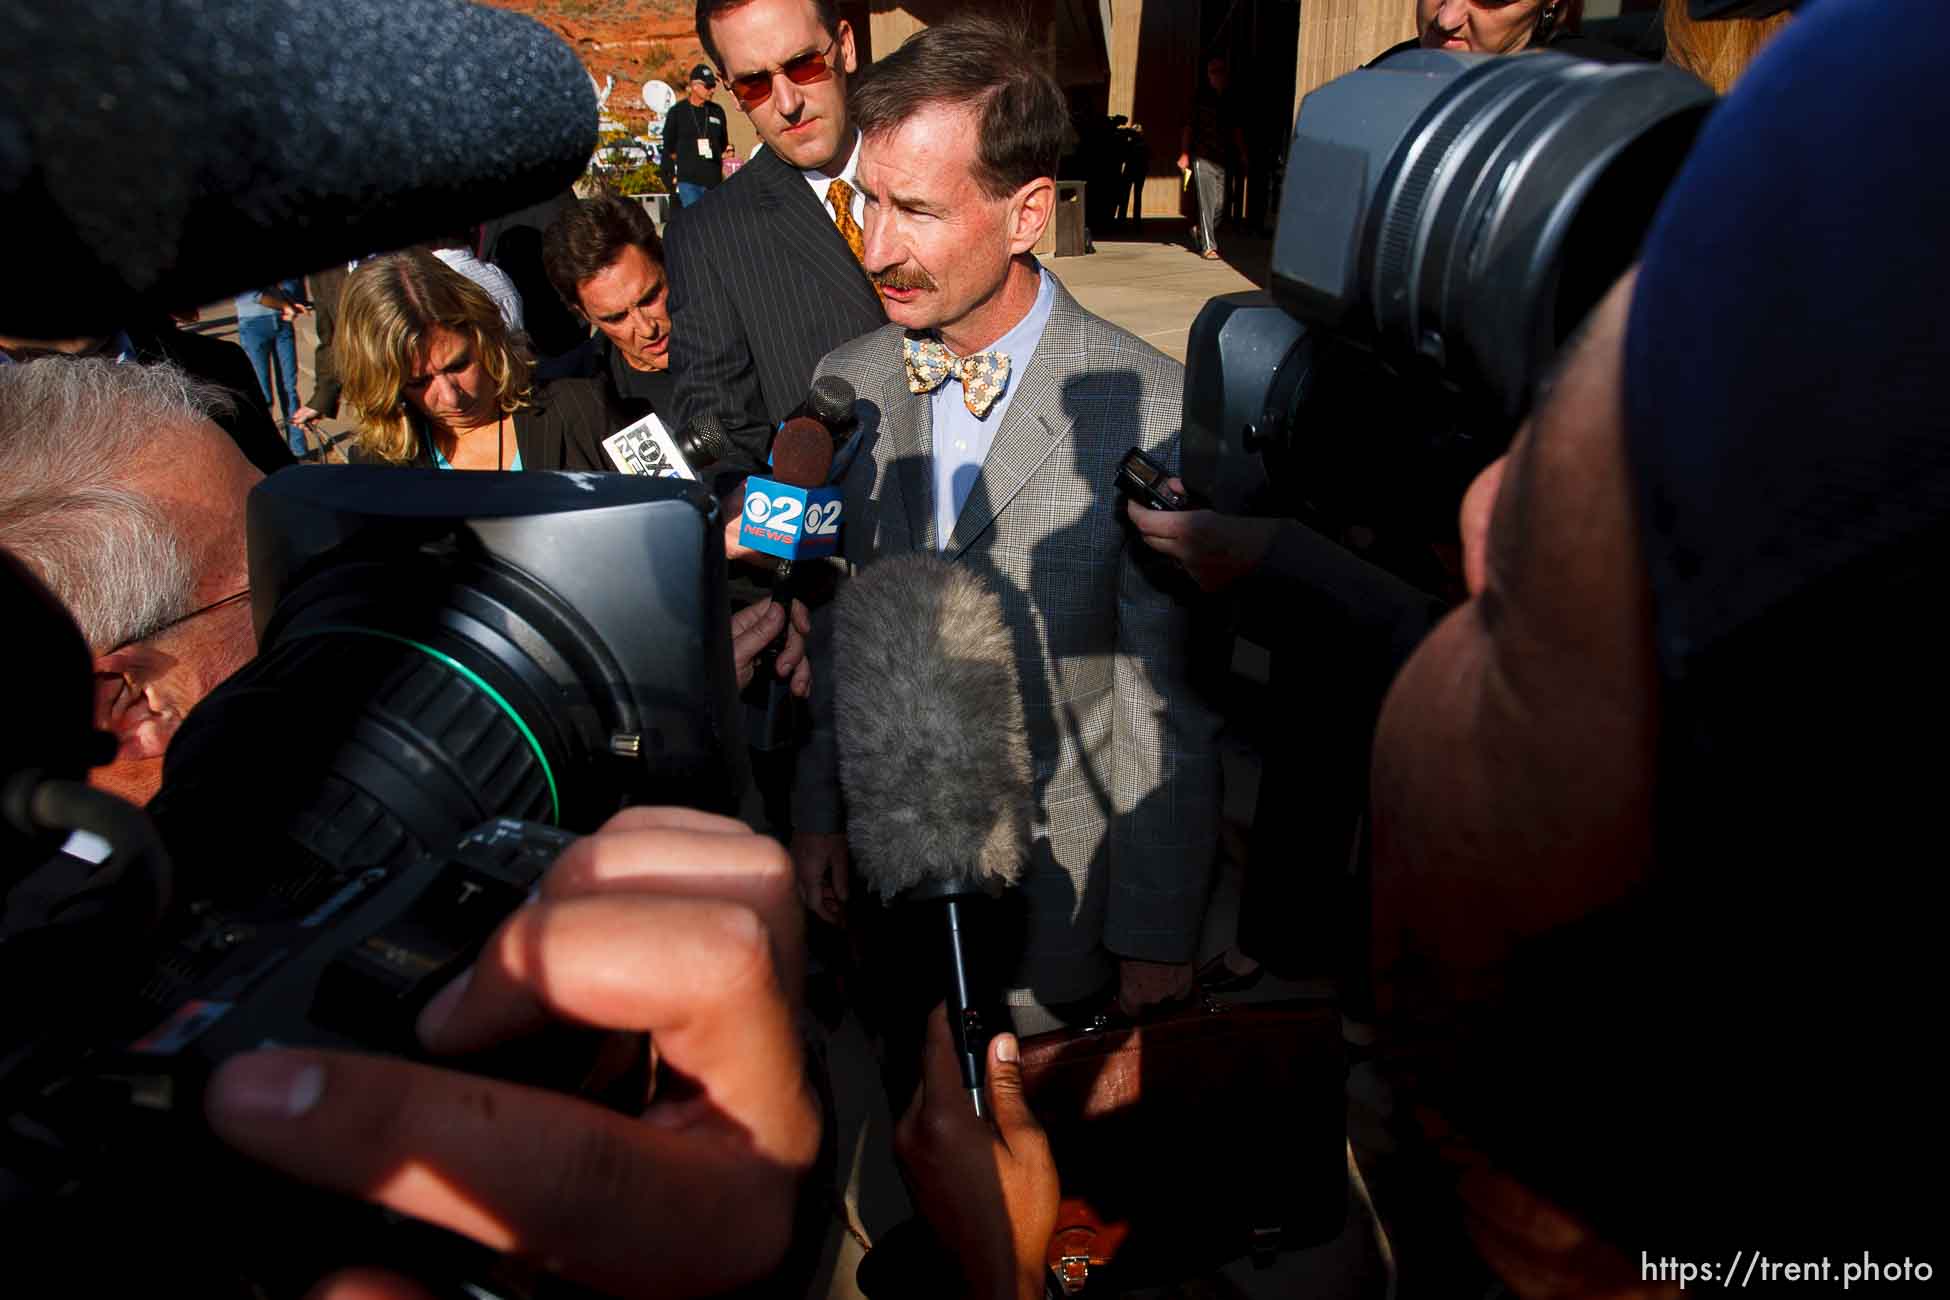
{"x": 591, "y": 235}
{"x": 1022, "y": 121}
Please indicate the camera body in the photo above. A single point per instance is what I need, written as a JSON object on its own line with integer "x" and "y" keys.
{"x": 456, "y": 675}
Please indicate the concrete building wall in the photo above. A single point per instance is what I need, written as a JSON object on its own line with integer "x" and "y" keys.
{"x": 1071, "y": 28}
{"x": 896, "y": 20}
{"x": 1338, "y": 36}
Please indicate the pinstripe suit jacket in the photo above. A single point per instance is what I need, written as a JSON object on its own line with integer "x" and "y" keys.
{"x": 1126, "y": 774}
{"x": 761, "y": 287}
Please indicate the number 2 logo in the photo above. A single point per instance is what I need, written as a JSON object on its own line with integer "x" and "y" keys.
{"x": 823, "y": 519}
{"x": 785, "y": 514}
{"x": 779, "y": 512}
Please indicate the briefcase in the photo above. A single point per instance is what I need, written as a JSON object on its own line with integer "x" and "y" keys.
{"x": 1182, "y": 1143}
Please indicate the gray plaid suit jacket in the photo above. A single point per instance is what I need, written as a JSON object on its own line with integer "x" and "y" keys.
{"x": 1126, "y": 774}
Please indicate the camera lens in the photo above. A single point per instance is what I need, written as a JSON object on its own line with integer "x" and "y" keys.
{"x": 1481, "y": 205}
{"x": 1522, "y": 197}
{"x": 396, "y": 704}
{"x": 460, "y": 651}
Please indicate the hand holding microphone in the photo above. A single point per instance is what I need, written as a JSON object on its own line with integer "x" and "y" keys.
{"x": 934, "y": 759}
{"x": 786, "y": 516}
{"x": 989, "y": 1192}
{"x": 791, "y": 515}
{"x": 797, "y": 463}
{"x": 755, "y": 628}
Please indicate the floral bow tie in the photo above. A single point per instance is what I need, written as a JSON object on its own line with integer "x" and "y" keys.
{"x": 983, "y": 374}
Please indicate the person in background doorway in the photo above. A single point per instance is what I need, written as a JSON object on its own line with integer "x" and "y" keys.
{"x": 1214, "y": 147}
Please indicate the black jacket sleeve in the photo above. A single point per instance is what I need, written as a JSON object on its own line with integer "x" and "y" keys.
{"x": 565, "y": 426}
{"x": 710, "y": 354}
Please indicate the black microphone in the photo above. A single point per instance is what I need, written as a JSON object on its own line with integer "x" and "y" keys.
{"x": 703, "y": 440}
{"x": 831, "y": 403}
{"x": 933, "y": 753}
{"x": 161, "y": 156}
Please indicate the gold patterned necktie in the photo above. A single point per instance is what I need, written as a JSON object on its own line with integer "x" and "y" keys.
{"x": 840, "y": 195}
{"x": 983, "y": 375}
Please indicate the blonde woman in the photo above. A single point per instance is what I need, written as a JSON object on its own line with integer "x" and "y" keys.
{"x": 435, "y": 379}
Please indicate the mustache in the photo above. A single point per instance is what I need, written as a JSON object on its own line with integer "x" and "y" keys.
{"x": 904, "y": 277}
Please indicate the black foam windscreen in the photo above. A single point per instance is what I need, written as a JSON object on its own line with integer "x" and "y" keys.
{"x": 168, "y": 153}
{"x": 831, "y": 401}
{"x": 704, "y": 439}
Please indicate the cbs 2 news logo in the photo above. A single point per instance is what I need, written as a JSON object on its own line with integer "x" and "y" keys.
{"x": 782, "y": 514}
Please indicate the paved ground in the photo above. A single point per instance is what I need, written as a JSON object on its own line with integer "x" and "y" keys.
{"x": 1155, "y": 288}
{"x": 1154, "y": 285}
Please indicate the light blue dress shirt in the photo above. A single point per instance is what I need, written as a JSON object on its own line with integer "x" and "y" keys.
{"x": 961, "y": 442}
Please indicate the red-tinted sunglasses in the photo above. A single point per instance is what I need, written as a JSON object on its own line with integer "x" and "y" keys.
{"x": 806, "y": 70}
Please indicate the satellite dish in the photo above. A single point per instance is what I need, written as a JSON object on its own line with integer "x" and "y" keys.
{"x": 658, "y": 97}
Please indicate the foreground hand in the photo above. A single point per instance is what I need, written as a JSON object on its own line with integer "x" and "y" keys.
{"x": 668, "y": 921}
{"x": 304, "y": 417}
{"x": 1142, "y": 984}
{"x": 990, "y": 1194}
{"x": 733, "y": 504}
{"x": 1216, "y": 550}
{"x": 820, "y": 863}
{"x": 757, "y": 626}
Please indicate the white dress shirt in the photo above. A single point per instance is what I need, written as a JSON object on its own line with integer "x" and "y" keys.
{"x": 821, "y": 182}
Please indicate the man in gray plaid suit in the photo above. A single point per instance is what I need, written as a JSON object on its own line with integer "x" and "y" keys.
{"x": 994, "y": 411}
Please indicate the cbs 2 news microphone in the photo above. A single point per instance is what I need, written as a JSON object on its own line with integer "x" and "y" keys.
{"x": 793, "y": 514}
{"x": 791, "y": 522}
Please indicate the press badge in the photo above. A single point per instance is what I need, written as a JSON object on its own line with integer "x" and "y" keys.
{"x": 703, "y": 148}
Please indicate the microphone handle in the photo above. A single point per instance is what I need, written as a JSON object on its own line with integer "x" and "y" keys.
{"x": 772, "y": 695}
{"x": 964, "y": 1020}
{"x": 783, "y": 589}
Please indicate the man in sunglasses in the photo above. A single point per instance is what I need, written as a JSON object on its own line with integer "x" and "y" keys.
{"x": 765, "y": 279}
{"x": 118, "y": 488}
